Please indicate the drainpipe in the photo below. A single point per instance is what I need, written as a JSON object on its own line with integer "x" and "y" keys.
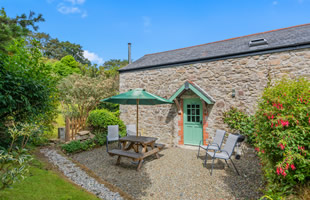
{"x": 129, "y": 53}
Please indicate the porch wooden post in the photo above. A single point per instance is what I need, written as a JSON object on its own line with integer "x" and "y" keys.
{"x": 137, "y": 116}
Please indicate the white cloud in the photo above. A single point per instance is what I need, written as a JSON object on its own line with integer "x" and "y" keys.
{"x": 147, "y": 23}
{"x": 71, "y": 7}
{"x": 74, "y": 2}
{"x": 84, "y": 14}
{"x": 68, "y": 9}
{"x": 93, "y": 57}
{"x": 275, "y": 3}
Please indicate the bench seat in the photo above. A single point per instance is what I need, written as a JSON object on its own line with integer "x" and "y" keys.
{"x": 159, "y": 146}
{"x": 127, "y": 154}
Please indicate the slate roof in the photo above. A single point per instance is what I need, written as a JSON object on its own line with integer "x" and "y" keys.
{"x": 279, "y": 39}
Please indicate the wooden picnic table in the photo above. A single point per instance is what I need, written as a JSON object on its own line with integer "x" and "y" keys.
{"x": 134, "y": 143}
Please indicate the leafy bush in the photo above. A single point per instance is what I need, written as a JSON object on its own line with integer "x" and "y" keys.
{"x": 101, "y": 119}
{"x": 100, "y": 138}
{"x": 77, "y": 146}
{"x": 14, "y": 160}
{"x": 282, "y": 125}
{"x": 241, "y": 122}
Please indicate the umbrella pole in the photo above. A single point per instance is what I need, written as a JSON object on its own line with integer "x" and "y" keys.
{"x": 137, "y": 116}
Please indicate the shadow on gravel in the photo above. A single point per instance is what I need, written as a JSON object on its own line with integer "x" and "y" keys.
{"x": 123, "y": 176}
{"x": 250, "y": 178}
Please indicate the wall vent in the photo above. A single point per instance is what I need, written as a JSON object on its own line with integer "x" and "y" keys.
{"x": 257, "y": 42}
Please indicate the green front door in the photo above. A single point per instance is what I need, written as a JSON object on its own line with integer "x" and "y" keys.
{"x": 192, "y": 121}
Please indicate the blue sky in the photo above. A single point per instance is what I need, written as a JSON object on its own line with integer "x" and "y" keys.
{"x": 104, "y": 27}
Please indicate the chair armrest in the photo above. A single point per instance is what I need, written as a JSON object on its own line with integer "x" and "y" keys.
{"x": 215, "y": 144}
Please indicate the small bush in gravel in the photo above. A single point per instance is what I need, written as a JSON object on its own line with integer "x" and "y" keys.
{"x": 241, "y": 122}
{"x": 282, "y": 125}
{"x": 77, "y": 146}
{"x": 101, "y": 119}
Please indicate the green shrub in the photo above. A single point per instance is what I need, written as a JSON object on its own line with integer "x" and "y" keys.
{"x": 282, "y": 136}
{"x": 101, "y": 119}
{"x": 240, "y": 122}
{"x": 77, "y": 146}
{"x": 100, "y": 138}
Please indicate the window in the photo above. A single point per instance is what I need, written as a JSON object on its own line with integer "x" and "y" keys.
{"x": 193, "y": 112}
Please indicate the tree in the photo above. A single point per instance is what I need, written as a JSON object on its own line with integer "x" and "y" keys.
{"x": 81, "y": 94}
{"x": 55, "y": 49}
{"x": 111, "y": 67}
{"x": 27, "y": 88}
{"x": 13, "y": 28}
{"x": 66, "y": 66}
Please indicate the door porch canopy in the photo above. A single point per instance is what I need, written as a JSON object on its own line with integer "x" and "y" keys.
{"x": 188, "y": 85}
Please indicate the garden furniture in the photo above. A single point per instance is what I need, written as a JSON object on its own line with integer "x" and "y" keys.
{"x": 224, "y": 153}
{"x": 216, "y": 143}
{"x": 131, "y": 129}
{"x": 113, "y": 135}
{"x": 133, "y": 143}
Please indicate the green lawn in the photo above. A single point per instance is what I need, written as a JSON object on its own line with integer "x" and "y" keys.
{"x": 60, "y": 123}
{"x": 44, "y": 184}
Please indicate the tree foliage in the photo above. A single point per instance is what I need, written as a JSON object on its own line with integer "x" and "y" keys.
{"x": 54, "y": 49}
{"x": 27, "y": 88}
{"x": 81, "y": 94}
{"x": 13, "y": 28}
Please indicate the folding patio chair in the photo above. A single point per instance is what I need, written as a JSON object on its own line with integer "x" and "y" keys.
{"x": 113, "y": 135}
{"x": 131, "y": 130}
{"x": 224, "y": 153}
{"x": 216, "y": 144}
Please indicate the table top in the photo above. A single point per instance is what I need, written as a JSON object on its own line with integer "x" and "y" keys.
{"x": 140, "y": 139}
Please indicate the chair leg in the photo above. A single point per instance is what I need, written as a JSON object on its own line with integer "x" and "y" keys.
{"x": 107, "y": 144}
{"x": 212, "y": 166}
{"x": 198, "y": 151}
{"x": 227, "y": 163}
{"x": 234, "y": 166}
{"x": 206, "y": 158}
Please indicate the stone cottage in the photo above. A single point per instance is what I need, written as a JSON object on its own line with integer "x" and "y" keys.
{"x": 206, "y": 80}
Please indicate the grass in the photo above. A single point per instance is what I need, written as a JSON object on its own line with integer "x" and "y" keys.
{"x": 60, "y": 122}
{"x": 42, "y": 184}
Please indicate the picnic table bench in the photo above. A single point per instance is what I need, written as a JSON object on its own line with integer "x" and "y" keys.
{"x": 134, "y": 143}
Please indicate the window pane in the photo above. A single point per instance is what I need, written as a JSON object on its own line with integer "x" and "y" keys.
{"x": 197, "y": 119}
{"x": 193, "y": 118}
{"x": 188, "y": 118}
{"x": 197, "y": 111}
{"x": 188, "y": 111}
{"x": 193, "y": 106}
{"x": 188, "y": 106}
{"x": 197, "y": 106}
{"x": 193, "y": 111}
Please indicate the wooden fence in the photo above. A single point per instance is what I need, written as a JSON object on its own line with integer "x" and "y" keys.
{"x": 73, "y": 126}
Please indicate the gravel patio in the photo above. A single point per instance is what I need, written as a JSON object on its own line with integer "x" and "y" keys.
{"x": 178, "y": 174}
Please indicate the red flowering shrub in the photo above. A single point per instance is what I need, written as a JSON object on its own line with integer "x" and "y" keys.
{"x": 282, "y": 135}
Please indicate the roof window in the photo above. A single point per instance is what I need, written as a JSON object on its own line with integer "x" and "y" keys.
{"x": 257, "y": 42}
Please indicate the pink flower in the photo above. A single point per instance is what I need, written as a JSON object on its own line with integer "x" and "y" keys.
{"x": 263, "y": 151}
{"x": 293, "y": 167}
{"x": 282, "y": 146}
{"x": 272, "y": 124}
{"x": 284, "y": 174}
{"x": 272, "y": 117}
{"x": 287, "y": 166}
{"x": 278, "y": 170}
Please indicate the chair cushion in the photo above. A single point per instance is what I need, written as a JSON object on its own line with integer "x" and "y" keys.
{"x": 221, "y": 155}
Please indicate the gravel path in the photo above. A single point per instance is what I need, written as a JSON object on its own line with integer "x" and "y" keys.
{"x": 178, "y": 174}
{"x": 78, "y": 176}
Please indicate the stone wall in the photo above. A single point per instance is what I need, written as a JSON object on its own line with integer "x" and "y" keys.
{"x": 248, "y": 76}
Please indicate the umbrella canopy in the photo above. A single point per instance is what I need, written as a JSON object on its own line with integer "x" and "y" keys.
{"x": 131, "y": 97}
{"x": 136, "y": 97}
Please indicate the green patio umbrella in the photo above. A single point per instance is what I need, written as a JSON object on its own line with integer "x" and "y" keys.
{"x": 137, "y": 97}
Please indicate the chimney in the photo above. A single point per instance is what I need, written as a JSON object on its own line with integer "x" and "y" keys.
{"x": 129, "y": 53}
